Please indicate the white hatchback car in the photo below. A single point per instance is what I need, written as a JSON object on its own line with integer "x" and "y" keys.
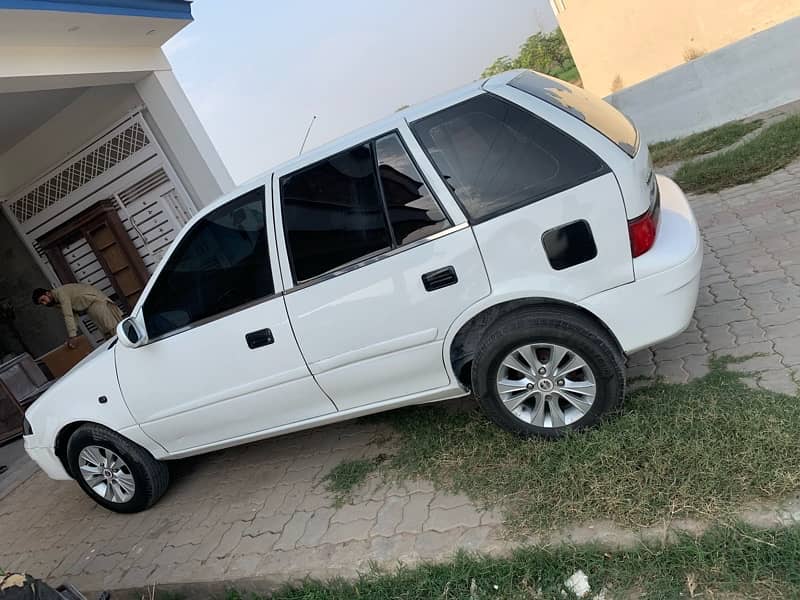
{"x": 509, "y": 239}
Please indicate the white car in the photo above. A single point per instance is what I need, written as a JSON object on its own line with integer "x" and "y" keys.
{"x": 508, "y": 239}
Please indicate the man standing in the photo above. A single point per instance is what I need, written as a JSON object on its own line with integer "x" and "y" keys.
{"x": 79, "y": 297}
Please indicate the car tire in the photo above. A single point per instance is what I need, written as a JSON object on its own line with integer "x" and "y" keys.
{"x": 501, "y": 368}
{"x": 115, "y": 472}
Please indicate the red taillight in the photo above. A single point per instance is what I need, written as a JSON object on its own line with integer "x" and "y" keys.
{"x": 642, "y": 232}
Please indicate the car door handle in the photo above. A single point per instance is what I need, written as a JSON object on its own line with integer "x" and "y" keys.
{"x": 262, "y": 337}
{"x": 440, "y": 278}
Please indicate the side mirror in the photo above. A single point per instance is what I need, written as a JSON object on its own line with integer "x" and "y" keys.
{"x": 131, "y": 332}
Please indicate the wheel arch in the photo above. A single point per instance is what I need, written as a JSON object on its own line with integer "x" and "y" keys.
{"x": 464, "y": 343}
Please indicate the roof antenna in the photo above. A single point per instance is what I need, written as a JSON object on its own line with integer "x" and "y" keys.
{"x": 305, "y": 139}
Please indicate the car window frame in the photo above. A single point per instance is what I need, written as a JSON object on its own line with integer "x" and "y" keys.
{"x": 378, "y": 255}
{"x": 277, "y": 284}
{"x": 510, "y": 208}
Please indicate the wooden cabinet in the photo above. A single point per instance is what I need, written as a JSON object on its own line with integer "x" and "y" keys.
{"x": 105, "y": 234}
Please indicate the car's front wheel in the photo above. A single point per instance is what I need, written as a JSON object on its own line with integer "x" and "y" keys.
{"x": 115, "y": 472}
{"x": 546, "y": 372}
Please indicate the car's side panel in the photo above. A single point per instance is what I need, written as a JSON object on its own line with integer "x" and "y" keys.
{"x": 515, "y": 258}
{"x": 206, "y": 385}
{"x": 375, "y": 333}
{"x": 77, "y": 398}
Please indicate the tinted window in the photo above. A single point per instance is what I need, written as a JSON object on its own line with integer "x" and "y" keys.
{"x": 496, "y": 156}
{"x": 413, "y": 211}
{"x": 222, "y": 263}
{"x": 333, "y": 213}
{"x": 578, "y": 102}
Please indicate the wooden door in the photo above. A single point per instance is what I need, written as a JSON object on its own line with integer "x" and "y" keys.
{"x": 102, "y": 230}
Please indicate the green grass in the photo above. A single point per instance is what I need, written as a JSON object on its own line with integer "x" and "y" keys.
{"x": 726, "y": 560}
{"x": 348, "y": 475}
{"x": 773, "y": 148}
{"x": 664, "y": 153}
{"x": 699, "y": 450}
{"x": 570, "y": 74}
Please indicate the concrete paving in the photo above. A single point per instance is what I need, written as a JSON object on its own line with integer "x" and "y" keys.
{"x": 261, "y": 511}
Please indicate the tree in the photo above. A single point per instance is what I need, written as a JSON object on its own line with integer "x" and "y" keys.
{"x": 544, "y": 52}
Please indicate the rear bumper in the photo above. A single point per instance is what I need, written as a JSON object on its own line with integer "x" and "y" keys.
{"x": 660, "y": 302}
{"x": 48, "y": 461}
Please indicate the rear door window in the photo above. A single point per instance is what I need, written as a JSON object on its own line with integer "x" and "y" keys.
{"x": 413, "y": 211}
{"x": 354, "y": 206}
{"x": 496, "y": 156}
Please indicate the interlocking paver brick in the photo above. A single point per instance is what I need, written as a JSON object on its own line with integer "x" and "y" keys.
{"x": 789, "y": 349}
{"x": 722, "y": 313}
{"x": 718, "y": 337}
{"x": 672, "y": 371}
{"x": 781, "y": 381}
{"x": 444, "y": 519}
{"x": 317, "y": 527}
{"x": 338, "y": 533}
{"x": 355, "y": 512}
{"x": 268, "y": 524}
{"x": 696, "y": 366}
{"x": 293, "y": 531}
{"x": 389, "y": 516}
{"x": 259, "y": 544}
{"x": 748, "y": 331}
{"x": 211, "y": 540}
{"x": 676, "y": 352}
{"x": 770, "y": 362}
{"x": 437, "y": 545}
{"x": 415, "y": 513}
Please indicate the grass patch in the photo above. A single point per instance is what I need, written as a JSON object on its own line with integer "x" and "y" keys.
{"x": 773, "y": 148}
{"x": 695, "y": 450}
{"x": 347, "y": 476}
{"x": 664, "y": 153}
{"x": 726, "y": 560}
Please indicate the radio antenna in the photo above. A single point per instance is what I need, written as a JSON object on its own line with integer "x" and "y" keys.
{"x": 308, "y": 131}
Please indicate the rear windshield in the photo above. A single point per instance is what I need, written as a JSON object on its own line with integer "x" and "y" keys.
{"x": 588, "y": 108}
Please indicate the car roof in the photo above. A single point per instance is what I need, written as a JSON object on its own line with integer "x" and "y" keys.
{"x": 409, "y": 114}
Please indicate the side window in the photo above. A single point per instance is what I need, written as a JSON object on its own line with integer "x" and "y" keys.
{"x": 496, "y": 156}
{"x": 333, "y": 213}
{"x": 413, "y": 211}
{"x": 222, "y": 263}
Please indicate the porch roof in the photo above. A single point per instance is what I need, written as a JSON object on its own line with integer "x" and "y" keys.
{"x": 165, "y": 9}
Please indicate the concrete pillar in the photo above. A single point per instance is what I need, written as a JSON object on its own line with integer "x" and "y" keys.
{"x": 183, "y": 138}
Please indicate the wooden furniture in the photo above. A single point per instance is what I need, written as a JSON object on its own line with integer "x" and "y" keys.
{"x": 21, "y": 382}
{"x": 61, "y": 359}
{"x": 102, "y": 229}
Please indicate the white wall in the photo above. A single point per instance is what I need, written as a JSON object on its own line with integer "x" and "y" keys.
{"x": 183, "y": 138}
{"x": 750, "y": 76}
{"x": 90, "y": 115}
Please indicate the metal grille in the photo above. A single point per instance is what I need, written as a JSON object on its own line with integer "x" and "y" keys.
{"x": 79, "y": 173}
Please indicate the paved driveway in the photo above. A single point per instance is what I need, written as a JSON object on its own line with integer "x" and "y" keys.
{"x": 261, "y": 510}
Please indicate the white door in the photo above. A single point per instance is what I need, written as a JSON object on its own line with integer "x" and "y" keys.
{"x": 221, "y": 361}
{"x": 379, "y": 272}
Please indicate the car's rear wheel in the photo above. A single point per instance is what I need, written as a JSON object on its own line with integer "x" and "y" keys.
{"x": 113, "y": 471}
{"x": 547, "y": 372}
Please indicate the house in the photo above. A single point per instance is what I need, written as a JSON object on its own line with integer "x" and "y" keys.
{"x": 102, "y": 158}
{"x": 618, "y": 43}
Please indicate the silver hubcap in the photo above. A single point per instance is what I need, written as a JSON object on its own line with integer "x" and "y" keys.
{"x": 106, "y": 473}
{"x": 546, "y": 385}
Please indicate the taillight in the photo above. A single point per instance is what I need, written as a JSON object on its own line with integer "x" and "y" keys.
{"x": 642, "y": 230}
